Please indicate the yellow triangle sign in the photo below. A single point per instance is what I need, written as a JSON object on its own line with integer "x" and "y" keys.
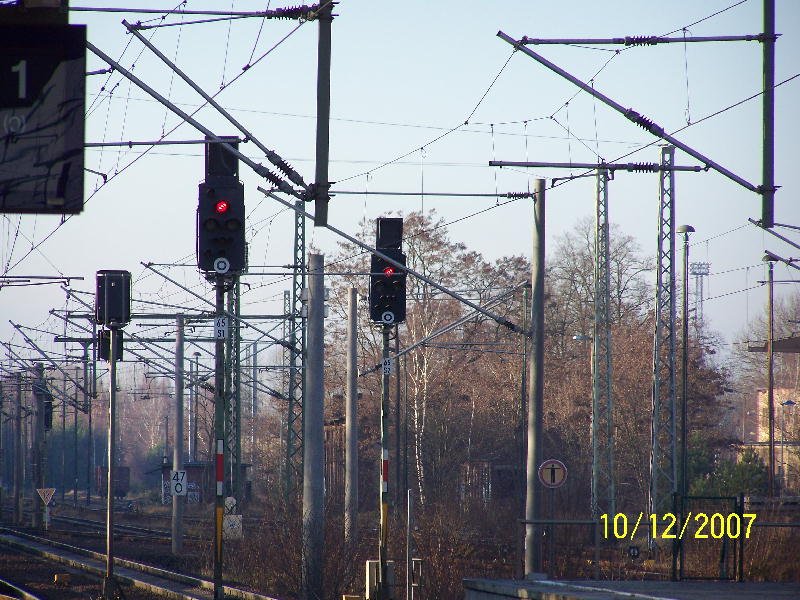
{"x": 46, "y": 494}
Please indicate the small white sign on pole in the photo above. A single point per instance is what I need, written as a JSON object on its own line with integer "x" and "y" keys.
{"x": 178, "y": 483}
{"x": 221, "y": 328}
{"x": 232, "y": 527}
{"x": 387, "y": 366}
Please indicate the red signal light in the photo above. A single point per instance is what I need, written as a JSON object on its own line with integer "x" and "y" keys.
{"x": 388, "y": 271}
{"x": 221, "y": 207}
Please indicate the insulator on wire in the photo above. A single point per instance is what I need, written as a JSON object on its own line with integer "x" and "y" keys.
{"x": 644, "y": 122}
{"x": 642, "y": 167}
{"x": 295, "y": 12}
{"x": 641, "y": 40}
{"x": 285, "y": 168}
{"x": 518, "y": 195}
{"x": 277, "y": 181}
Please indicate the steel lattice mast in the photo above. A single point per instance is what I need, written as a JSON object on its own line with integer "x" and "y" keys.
{"x": 603, "y": 492}
{"x": 294, "y": 312}
{"x": 663, "y": 466}
{"x": 232, "y": 396}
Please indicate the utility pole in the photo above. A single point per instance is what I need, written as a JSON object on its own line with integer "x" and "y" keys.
{"x": 39, "y": 390}
{"x": 90, "y": 449}
{"x": 351, "y": 427}
{"x": 533, "y": 556}
{"x": 770, "y": 373}
{"x": 75, "y": 443}
{"x": 768, "y": 117}
{"x": 109, "y": 586}
{"x": 684, "y": 487}
{"x": 63, "y": 436}
{"x": 684, "y": 476}
{"x": 313, "y": 436}
{"x": 253, "y": 399}
{"x": 177, "y": 449}
{"x": 195, "y": 401}
{"x": 398, "y": 494}
{"x": 18, "y": 454}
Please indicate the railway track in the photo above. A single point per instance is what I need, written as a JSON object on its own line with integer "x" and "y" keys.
{"x": 155, "y": 579}
{"x": 12, "y": 591}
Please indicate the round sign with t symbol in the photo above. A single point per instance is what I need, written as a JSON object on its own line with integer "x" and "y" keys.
{"x": 552, "y": 473}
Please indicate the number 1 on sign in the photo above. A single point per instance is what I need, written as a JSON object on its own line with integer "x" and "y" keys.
{"x": 22, "y": 84}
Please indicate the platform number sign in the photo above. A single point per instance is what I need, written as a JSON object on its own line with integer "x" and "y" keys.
{"x": 42, "y": 108}
{"x": 179, "y": 485}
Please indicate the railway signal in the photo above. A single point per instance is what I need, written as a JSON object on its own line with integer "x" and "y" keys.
{"x": 387, "y": 285}
{"x": 221, "y": 245}
{"x": 387, "y": 289}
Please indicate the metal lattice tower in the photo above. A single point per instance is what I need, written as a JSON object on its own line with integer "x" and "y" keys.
{"x": 663, "y": 464}
{"x": 233, "y": 412}
{"x": 699, "y": 270}
{"x": 603, "y": 492}
{"x": 294, "y": 422}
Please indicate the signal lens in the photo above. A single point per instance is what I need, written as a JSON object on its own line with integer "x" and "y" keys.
{"x": 221, "y": 206}
{"x": 388, "y": 271}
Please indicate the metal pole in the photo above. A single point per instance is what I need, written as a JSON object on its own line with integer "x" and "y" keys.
{"x": 351, "y": 426}
{"x": 236, "y": 382}
{"x": 219, "y": 435}
{"x": 254, "y": 400}
{"x": 313, "y": 436}
{"x": 38, "y": 443}
{"x": 533, "y": 557}
{"x": 768, "y": 109}
{"x": 91, "y": 462}
{"x": 782, "y": 469}
{"x": 321, "y": 184}
{"x": 409, "y": 515}
{"x": 18, "y": 454}
{"x": 75, "y": 444}
{"x": 397, "y": 486}
{"x": 108, "y": 581}
{"x": 771, "y": 381}
{"x": 192, "y": 385}
{"x": 195, "y": 403}
{"x": 177, "y": 447}
{"x": 383, "y": 584}
{"x": 2, "y": 451}
{"x": 63, "y": 436}
{"x": 685, "y": 369}
{"x": 523, "y": 406}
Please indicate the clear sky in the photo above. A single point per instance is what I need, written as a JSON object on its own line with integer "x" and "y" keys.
{"x": 403, "y": 76}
